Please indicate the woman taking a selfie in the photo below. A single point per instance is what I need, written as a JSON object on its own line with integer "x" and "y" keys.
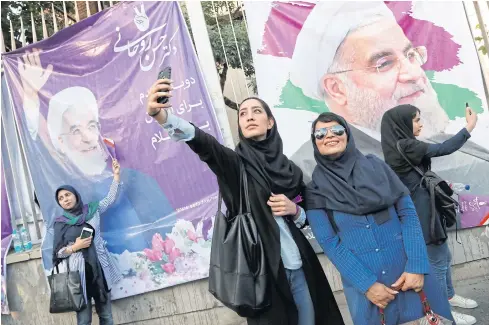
{"x": 89, "y": 256}
{"x": 298, "y": 289}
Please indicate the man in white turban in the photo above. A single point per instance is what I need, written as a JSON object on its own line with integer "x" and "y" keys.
{"x": 74, "y": 129}
{"x": 355, "y": 57}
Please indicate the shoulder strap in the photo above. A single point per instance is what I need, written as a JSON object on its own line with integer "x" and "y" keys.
{"x": 242, "y": 186}
{"x": 416, "y": 168}
{"x": 331, "y": 220}
{"x": 244, "y": 181}
{"x": 219, "y": 202}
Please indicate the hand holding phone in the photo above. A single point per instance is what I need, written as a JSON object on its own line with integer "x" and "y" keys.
{"x": 81, "y": 243}
{"x": 164, "y": 74}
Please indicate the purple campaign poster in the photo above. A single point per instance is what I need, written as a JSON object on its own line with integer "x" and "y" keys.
{"x": 90, "y": 83}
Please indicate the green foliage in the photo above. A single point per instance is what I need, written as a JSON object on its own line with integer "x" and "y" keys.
{"x": 480, "y": 41}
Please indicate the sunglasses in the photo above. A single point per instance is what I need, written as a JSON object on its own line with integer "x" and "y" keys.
{"x": 337, "y": 130}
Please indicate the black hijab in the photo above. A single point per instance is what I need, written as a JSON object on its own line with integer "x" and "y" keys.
{"x": 397, "y": 125}
{"x": 266, "y": 163}
{"x": 352, "y": 183}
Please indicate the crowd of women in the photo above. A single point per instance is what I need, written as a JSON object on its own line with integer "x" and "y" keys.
{"x": 372, "y": 218}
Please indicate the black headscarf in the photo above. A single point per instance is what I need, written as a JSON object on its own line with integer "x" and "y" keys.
{"x": 397, "y": 125}
{"x": 68, "y": 227}
{"x": 352, "y": 183}
{"x": 266, "y": 163}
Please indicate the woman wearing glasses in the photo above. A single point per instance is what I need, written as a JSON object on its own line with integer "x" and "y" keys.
{"x": 364, "y": 219}
{"x": 299, "y": 291}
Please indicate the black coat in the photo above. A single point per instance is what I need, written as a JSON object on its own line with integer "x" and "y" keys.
{"x": 225, "y": 164}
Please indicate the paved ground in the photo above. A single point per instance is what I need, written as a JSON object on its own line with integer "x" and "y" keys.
{"x": 476, "y": 288}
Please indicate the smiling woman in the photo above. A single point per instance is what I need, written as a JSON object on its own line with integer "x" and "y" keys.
{"x": 361, "y": 214}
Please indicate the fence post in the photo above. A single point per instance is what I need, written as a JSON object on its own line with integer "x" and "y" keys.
{"x": 482, "y": 26}
{"x": 13, "y": 46}
{"x": 44, "y": 28}
{"x": 208, "y": 67}
{"x": 55, "y": 22}
{"x": 33, "y": 26}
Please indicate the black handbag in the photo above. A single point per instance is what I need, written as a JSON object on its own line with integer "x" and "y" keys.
{"x": 440, "y": 194}
{"x": 238, "y": 273}
{"x": 66, "y": 291}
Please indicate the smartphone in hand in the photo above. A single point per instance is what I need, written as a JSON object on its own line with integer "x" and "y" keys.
{"x": 86, "y": 233}
{"x": 164, "y": 74}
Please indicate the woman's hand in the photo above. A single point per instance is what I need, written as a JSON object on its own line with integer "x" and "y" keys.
{"x": 281, "y": 205}
{"x": 471, "y": 118}
{"x": 161, "y": 88}
{"x": 81, "y": 243}
{"x": 380, "y": 295}
{"x": 116, "y": 168}
{"x": 409, "y": 281}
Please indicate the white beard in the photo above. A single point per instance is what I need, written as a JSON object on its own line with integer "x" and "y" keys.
{"x": 367, "y": 108}
{"x": 89, "y": 166}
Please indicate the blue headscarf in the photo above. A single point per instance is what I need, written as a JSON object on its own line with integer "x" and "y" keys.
{"x": 352, "y": 183}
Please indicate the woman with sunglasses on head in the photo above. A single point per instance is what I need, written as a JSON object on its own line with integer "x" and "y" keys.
{"x": 299, "y": 291}
{"x": 363, "y": 218}
{"x": 402, "y": 124}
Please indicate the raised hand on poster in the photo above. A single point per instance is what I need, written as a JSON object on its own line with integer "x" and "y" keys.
{"x": 32, "y": 74}
{"x": 33, "y": 78}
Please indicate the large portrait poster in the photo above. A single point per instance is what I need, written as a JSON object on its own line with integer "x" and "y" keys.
{"x": 359, "y": 59}
{"x": 88, "y": 83}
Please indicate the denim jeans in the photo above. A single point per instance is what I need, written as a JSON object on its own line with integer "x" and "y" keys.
{"x": 104, "y": 311}
{"x": 441, "y": 260}
{"x": 302, "y": 297}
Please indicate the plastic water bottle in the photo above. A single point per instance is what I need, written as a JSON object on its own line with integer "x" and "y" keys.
{"x": 25, "y": 239}
{"x": 17, "y": 241}
{"x": 459, "y": 187}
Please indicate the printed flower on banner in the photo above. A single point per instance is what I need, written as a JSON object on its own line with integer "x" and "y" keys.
{"x": 153, "y": 255}
{"x": 174, "y": 254}
{"x": 168, "y": 245}
{"x": 169, "y": 268}
{"x": 180, "y": 256}
{"x": 158, "y": 242}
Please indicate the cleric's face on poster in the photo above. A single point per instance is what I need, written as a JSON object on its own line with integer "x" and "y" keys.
{"x": 377, "y": 68}
{"x": 74, "y": 129}
{"x": 80, "y": 140}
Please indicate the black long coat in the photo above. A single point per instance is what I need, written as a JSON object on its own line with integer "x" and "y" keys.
{"x": 225, "y": 164}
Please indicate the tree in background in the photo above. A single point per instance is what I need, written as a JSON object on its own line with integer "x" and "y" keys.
{"x": 222, "y": 10}
{"x": 13, "y": 10}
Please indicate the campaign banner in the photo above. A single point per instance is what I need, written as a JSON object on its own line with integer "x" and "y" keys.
{"x": 359, "y": 59}
{"x": 80, "y": 100}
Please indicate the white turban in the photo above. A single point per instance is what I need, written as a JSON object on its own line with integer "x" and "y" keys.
{"x": 80, "y": 98}
{"x": 322, "y": 34}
